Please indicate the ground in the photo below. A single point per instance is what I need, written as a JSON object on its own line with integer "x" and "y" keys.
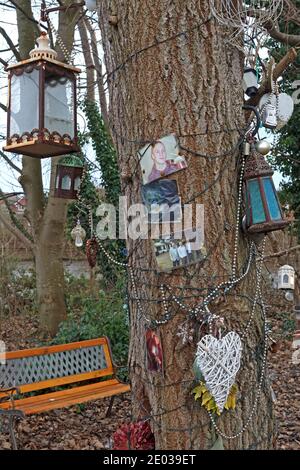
{"x": 86, "y": 428}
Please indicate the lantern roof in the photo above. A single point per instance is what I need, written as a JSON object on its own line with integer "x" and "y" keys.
{"x": 256, "y": 165}
{"x": 286, "y": 267}
{"x": 43, "y": 52}
{"x": 71, "y": 160}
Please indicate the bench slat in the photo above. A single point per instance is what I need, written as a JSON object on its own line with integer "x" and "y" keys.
{"x": 69, "y": 397}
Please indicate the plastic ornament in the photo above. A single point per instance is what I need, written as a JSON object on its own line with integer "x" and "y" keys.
{"x": 263, "y": 147}
{"x": 78, "y": 234}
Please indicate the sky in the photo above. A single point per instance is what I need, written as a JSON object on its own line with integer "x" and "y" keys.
{"x": 8, "y": 177}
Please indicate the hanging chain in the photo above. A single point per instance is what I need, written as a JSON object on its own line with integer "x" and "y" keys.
{"x": 67, "y": 55}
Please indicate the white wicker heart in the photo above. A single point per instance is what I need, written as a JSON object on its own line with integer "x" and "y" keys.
{"x": 219, "y": 361}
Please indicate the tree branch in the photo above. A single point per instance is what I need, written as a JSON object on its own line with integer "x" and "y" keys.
{"x": 10, "y": 43}
{"x": 10, "y": 163}
{"x": 2, "y": 106}
{"x": 282, "y": 253}
{"x": 22, "y": 235}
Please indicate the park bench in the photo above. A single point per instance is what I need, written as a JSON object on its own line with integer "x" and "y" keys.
{"x": 70, "y": 367}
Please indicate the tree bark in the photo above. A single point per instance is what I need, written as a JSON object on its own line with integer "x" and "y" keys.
{"x": 190, "y": 85}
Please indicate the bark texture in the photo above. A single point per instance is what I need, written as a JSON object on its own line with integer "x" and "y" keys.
{"x": 190, "y": 85}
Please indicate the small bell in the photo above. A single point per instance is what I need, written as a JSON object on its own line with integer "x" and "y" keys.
{"x": 269, "y": 118}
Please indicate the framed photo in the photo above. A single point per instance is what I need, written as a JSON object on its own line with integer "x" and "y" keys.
{"x": 177, "y": 251}
{"x": 162, "y": 201}
{"x": 154, "y": 351}
{"x": 160, "y": 159}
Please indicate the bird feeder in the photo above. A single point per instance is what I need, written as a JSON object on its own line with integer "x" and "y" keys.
{"x": 41, "y": 115}
{"x": 263, "y": 211}
{"x": 286, "y": 277}
{"x": 68, "y": 177}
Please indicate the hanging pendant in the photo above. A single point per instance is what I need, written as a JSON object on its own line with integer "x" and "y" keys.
{"x": 219, "y": 361}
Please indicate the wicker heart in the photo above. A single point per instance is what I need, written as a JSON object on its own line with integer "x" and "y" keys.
{"x": 219, "y": 361}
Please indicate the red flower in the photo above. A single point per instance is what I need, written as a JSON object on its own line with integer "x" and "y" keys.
{"x": 134, "y": 436}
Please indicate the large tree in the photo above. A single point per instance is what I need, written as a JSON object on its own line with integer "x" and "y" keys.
{"x": 171, "y": 69}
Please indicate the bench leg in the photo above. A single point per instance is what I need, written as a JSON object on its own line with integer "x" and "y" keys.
{"x": 108, "y": 413}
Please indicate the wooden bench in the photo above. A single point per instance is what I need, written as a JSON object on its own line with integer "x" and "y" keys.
{"x": 66, "y": 366}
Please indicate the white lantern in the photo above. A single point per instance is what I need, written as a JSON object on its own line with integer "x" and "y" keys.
{"x": 91, "y": 5}
{"x": 250, "y": 82}
{"x": 286, "y": 277}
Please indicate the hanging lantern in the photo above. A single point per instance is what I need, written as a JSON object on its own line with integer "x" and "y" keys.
{"x": 286, "y": 277}
{"x": 41, "y": 117}
{"x": 68, "y": 177}
{"x": 250, "y": 82}
{"x": 263, "y": 211}
{"x": 269, "y": 116}
{"x": 78, "y": 234}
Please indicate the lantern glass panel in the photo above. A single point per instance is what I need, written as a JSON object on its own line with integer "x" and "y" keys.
{"x": 271, "y": 198}
{"x": 59, "y": 104}
{"x": 66, "y": 183}
{"x": 257, "y": 207}
{"x": 77, "y": 183}
{"x": 24, "y": 102}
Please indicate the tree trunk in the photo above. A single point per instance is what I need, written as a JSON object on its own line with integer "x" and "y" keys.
{"x": 190, "y": 85}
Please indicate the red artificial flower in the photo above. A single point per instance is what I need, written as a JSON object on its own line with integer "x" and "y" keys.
{"x": 134, "y": 436}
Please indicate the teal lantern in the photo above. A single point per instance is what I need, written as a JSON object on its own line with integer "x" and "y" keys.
{"x": 263, "y": 211}
{"x": 68, "y": 177}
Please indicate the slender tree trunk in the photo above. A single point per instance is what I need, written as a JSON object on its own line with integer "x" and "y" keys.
{"x": 190, "y": 85}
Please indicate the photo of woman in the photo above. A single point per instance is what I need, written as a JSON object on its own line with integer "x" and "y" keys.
{"x": 161, "y": 159}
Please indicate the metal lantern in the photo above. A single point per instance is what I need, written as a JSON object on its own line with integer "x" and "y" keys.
{"x": 41, "y": 118}
{"x": 68, "y": 177}
{"x": 250, "y": 82}
{"x": 263, "y": 211}
{"x": 286, "y": 277}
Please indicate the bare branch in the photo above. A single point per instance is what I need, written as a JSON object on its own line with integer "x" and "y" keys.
{"x": 22, "y": 235}
{"x": 10, "y": 43}
{"x": 97, "y": 62}
{"x": 282, "y": 253}
{"x": 2, "y": 106}
{"x": 10, "y": 163}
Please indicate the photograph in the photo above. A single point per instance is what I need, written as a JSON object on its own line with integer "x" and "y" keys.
{"x": 162, "y": 201}
{"x": 161, "y": 158}
{"x": 177, "y": 251}
{"x": 154, "y": 351}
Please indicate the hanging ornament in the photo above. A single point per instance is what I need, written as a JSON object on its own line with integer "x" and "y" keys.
{"x": 78, "y": 234}
{"x": 276, "y": 110}
{"x": 91, "y": 251}
{"x": 269, "y": 118}
{"x": 219, "y": 361}
{"x": 69, "y": 173}
{"x": 42, "y": 106}
{"x": 263, "y": 146}
{"x": 263, "y": 211}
